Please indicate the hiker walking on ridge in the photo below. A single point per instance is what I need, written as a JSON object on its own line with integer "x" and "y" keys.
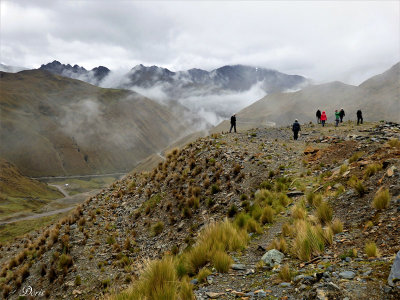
{"x": 296, "y": 128}
{"x": 337, "y": 117}
{"x": 233, "y": 123}
{"x": 323, "y": 118}
{"x": 318, "y": 115}
{"x": 359, "y": 117}
{"x": 341, "y": 114}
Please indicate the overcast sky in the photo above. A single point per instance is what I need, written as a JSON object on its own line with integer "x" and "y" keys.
{"x": 322, "y": 40}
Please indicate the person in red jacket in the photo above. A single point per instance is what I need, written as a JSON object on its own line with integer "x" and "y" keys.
{"x": 323, "y": 118}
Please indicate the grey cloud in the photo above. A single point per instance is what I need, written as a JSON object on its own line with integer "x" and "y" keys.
{"x": 323, "y": 40}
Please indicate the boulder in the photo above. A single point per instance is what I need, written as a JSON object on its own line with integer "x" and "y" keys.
{"x": 347, "y": 274}
{"x": 395, "y": 271}
{"x": 272, "y": 257}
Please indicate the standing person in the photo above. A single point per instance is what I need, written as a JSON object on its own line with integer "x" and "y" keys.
{"x": 337, "y": 117}
{"x": 296, "y": 128}
{"x": 318, "y": 115}
{"x": 359, "y": 117}
{"x": 341, "y": 114}
{"x": 233, "y": 123}
{"x": 323, "y": 118}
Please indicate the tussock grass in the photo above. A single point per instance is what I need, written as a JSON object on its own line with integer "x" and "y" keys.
{"x": 157, "y": 228}
{"x": 279, "y": 244}
{"x": 203, "y": 273}
{"x": 372, "y": 169}
{"x": 286, "y": 229}
{"x": 299, "y": 213}
{"x": 371, "y": 250}
{"x": 381, "y": 199}
{"x": 343, "y": 168}
{"x": 165, "y": 278}
{"x": 308, "y": 241}
{"x": 324, "y": 212}
{"x": 356, "y": 156}
{"x": 221, "y": 261}
{"x": 314, "y": 199}
{"x": 394, "y": 143}
{"x": 285, "y": 274}
{"x": 267, "y": 215}
{"x": 158, "y": 281}
{"x": 355, "y": 183}
{"x": 65, "y": 260}
{"x": 337, "y": 226}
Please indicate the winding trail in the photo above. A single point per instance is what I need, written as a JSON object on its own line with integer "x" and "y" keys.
{"x": 36, "y": 216}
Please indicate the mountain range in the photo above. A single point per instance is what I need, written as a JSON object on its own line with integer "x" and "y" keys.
{"x": 94, "y": 76}
{"x": 236, "y": 78}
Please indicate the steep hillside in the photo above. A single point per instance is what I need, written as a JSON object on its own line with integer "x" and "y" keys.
{"x": 378, "y": 98}
{"x": 20, "y": 193}
{"x": 276, "y": 193}
{"x": 71, "y": 127}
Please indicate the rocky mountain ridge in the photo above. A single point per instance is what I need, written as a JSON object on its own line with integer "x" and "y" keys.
{"x": 100, "y": 248}
{"x": 94, "y": 76}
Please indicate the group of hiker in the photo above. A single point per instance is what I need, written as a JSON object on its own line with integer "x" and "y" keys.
{"x": 321, "y": 119}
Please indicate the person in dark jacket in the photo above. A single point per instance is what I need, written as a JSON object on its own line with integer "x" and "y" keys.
{"x": 233, "y": 123}
{"x": 359, "y": 117}
{"x": 318, "y": 115}
{"x": 341, "y": 115}
{"x": 296, "y": 129}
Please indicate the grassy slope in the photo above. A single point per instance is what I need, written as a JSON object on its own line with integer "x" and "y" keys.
{"x": 20, "y": 193}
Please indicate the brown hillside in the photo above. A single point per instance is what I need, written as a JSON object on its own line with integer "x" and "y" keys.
{"x": 18, "y": 192}
{"x": 248, "y": 177}
{"x": 71, "y": 127}
{"x": 378, "y": 98}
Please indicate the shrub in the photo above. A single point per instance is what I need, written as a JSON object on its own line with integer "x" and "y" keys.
{"x": 337, "y": 226}
{"x": 221, "y": 261}
{"x": 381, "y": 199}
{"x": 157, "y": 228}
{"x": 285, "y": 274}
{"x": 324, "y": 212}
{"x": 267, "y": 215}
{"x": 371, "y": 250}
